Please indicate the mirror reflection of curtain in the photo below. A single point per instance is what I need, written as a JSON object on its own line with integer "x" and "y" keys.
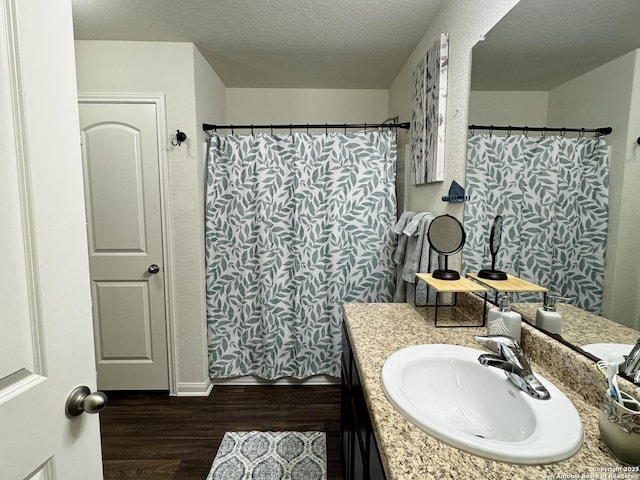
{"x": 295, "y": 226}
{"x": 553, "y": 195}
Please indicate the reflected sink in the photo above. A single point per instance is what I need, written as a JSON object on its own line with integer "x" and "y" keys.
{"x": 445, "y": 391}
{"x": 610, "y": 352}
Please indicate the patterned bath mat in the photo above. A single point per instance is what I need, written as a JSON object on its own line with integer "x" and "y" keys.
{"x": 271, "y": 456}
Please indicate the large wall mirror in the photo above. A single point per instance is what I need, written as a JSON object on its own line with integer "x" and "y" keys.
{"x": 576, "y": 63}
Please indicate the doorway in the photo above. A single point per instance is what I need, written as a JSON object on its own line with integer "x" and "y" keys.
{"x": 123, "y": 159}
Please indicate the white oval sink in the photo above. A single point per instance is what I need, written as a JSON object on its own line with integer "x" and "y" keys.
{"x": 610, "y": 352}
{"x": 445, "y": 391}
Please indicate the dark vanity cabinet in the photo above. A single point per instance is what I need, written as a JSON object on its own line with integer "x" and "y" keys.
{"x": 360, "y": 455}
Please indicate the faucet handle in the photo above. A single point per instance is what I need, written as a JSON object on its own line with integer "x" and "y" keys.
{"x": 635, "y": 352}
{"x": 496, "y": 342}
{"x": 631, "y": 364}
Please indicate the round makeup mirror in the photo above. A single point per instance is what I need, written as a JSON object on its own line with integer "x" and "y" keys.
{"x": 495, "y": 239}
{"x": 446, "y": 236}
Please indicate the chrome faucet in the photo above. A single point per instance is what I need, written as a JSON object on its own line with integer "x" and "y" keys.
{"x": 631, "y": 364}
{"x": 513, "y": 361}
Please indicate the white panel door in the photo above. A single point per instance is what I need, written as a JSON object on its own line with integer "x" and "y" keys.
{"x": 120, "y": 153}
{"x": 46, "y": 338}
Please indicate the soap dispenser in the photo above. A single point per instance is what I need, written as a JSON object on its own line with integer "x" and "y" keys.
{"x": 501, "y": 320}
{"x": 547, "y": 318}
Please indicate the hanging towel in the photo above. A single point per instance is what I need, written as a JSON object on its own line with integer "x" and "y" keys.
{"x": 402, "y": 239}
{"x": 416, "y": 230}
{"x": 429, "y": 261}
{"x": 399, "y": 256}
{"x": 414, "y": 255}
{"x": 419, "y": 259}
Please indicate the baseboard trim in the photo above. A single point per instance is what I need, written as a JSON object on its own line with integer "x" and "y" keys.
{"x": 287, "y": 381}
{"x": 194, "y": 389}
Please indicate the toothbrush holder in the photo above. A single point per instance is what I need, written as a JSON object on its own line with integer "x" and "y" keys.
{"x": 619, "y": 424}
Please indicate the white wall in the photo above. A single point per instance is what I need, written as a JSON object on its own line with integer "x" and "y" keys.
{"x": 193, "y": 92}
{"x": 211, "y": 107}
{"x": 603, "y": 97}
{"x": 466, "y": 21}
{"x": 290, "y": 105}
{"x": 508, "y": 108}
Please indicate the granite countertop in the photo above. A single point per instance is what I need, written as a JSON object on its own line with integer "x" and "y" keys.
{"x": 378, "y": 330}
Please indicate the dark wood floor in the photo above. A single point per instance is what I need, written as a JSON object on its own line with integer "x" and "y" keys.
{"x": 154, "y": 436}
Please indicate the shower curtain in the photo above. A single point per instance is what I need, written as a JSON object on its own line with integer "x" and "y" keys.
{"x": 553, "y": 195}
{"x": 295, "y": 226}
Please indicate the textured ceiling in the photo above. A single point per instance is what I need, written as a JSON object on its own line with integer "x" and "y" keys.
{"x": 541, "y": 44}
{"x": 274, "y": 43}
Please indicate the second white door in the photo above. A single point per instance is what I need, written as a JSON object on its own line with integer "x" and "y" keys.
{"x": 121, "y": 168}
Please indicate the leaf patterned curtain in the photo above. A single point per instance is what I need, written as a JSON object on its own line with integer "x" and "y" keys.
{"x": 553, "y": 195}
{"x": 295, "y": 226}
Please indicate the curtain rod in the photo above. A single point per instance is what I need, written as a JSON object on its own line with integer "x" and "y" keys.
{"x": 599, "y": 131}
{"x": 208, "y": 127}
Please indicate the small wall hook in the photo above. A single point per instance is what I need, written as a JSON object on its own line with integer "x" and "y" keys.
{"x": 180, "y": 137}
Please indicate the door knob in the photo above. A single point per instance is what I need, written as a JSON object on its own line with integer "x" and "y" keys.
{"x": 153, "y": 268}
{"x": 82, "y": 400}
